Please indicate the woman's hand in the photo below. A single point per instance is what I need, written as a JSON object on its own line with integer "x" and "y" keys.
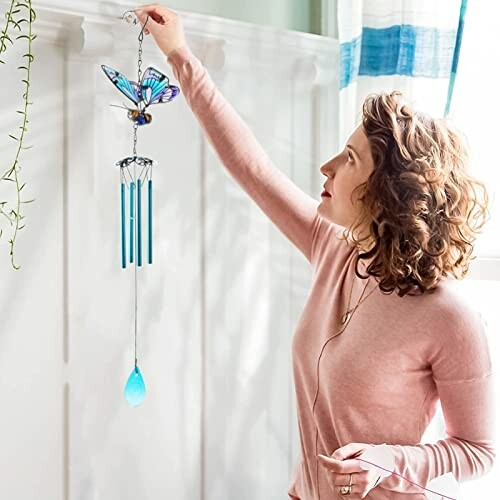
{"x": 338, "y": 468}
{"x": 165, "y": 26}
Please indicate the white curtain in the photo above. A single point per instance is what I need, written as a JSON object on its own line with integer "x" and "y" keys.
{"x": 395, "y": 45}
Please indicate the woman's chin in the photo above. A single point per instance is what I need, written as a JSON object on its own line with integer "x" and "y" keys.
{"x": 327, "y": 211}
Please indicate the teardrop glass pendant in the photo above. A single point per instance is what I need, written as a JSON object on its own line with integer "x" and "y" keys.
{"x": 135, "y": 390}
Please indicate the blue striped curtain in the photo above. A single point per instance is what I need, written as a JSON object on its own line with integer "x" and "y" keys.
{"x": 407, "y": 45}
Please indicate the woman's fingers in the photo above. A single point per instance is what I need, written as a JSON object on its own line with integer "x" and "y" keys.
{"x": 164, "y": 25}
{"x": 359, "y": 478}
{"x": 341, "y": 479}
{"x": 158, "y": 13}
{"x": 340, "y": 466}
{"x": 361, "y": 482}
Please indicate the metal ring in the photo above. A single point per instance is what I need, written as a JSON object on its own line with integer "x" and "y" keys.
{"x": 346, "y": 490}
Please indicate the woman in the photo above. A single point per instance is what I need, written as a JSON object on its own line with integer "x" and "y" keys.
{"x": 370, "y": 365}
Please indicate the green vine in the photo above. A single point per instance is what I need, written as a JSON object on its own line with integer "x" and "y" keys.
{"x": 14, "y": 216}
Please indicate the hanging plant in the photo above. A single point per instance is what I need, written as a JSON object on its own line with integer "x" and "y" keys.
{"x": 18, "y": 13}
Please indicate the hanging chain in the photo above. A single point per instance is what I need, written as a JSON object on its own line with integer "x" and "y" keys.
{"x": 135, "y": 140}
{"x": 139, "y": 76}
{"x": 139, "y": 59}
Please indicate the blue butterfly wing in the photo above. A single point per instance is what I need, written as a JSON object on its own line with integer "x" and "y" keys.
{"x": 155, "y": 87}
{"x": 131, "y": 89}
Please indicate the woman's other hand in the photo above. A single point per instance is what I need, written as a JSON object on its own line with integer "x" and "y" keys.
{"x": 342, "y": 466}
{"x": 164, "y": 24}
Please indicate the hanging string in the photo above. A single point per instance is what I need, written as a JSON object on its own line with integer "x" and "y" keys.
{"x": 134, "y": 154}
{"x": 442, "y": 495}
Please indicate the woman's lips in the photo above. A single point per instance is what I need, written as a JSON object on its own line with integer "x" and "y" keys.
{"x": 324, "y": 193}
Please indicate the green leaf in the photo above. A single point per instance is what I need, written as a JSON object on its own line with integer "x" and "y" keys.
{"x": 19, "y": 228}
{"x": 30, "y": 56}
{"x": 21, "y": 112}
{"x": 3, "y": 62}
{"x": 22, "y": 36}
{"x": 33, "y": 37}
{"x": 13, "y": 137}
{"x": 26, "y": 82}
{"x": 26, "y": 147}
{"x": 29, "y": 201}
{"x": 20, "y": 189}
{"x": 22, "y": 67}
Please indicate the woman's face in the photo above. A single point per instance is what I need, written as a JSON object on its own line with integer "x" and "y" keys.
{"x": 350, "y": 168}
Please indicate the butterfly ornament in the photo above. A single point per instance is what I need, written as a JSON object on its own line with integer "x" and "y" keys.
{"x": 153, "y": 88}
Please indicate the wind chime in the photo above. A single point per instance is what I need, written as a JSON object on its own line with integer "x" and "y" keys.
{"x": 151, "y": 88}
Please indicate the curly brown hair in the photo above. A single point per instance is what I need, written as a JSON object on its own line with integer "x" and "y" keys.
{"x": 420, "y": 203}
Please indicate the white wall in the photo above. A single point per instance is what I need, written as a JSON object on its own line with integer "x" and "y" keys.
{"x": 281, "y": 14}
{"x": 216, "y": 309}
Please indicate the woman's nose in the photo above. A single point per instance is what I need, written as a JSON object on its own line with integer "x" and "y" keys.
{"x": 327, "y": 168}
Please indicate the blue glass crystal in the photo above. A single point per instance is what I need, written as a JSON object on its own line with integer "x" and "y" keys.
{"x": 135, "y": 390}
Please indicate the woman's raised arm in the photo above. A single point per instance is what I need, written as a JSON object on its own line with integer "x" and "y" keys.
{"x": 292, "y": 210}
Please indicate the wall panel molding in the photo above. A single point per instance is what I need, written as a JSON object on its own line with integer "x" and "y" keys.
{"x": 217, "y": 311}
{"x": 95, "y": 27}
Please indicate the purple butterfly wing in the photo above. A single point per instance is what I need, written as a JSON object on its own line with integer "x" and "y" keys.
{"x": 129, "y": 88}
{"x": 167, "y": 94}
{"x": 155, "y": 87}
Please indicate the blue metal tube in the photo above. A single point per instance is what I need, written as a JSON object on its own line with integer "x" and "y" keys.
{"x": 131, "y": 241}
{"x": 139, "y": 231}
{"x": 150, "y": 221}
{"x": 122, "y": 217}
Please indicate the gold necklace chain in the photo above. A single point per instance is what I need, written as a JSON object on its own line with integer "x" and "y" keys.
{"x": 347, "y": 315}
{"x": 345, "y": 321}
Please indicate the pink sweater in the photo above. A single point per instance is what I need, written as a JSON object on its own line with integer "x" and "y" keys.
{"x": 380, "y": 381}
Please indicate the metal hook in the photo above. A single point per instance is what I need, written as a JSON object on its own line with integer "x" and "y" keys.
{"x": 141, "y": 36}
{"x": 130, "y": 17}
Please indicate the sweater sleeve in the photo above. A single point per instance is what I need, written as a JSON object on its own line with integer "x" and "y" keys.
{"x": 464, "y": 379}
{"x": 292, "y": 210}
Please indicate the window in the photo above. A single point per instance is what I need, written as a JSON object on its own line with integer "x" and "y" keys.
{"x": 476, "y": 111}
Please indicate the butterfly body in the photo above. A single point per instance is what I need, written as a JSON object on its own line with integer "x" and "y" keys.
{"x": 139, "y": 117}
{"x": 154, "y": 88}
